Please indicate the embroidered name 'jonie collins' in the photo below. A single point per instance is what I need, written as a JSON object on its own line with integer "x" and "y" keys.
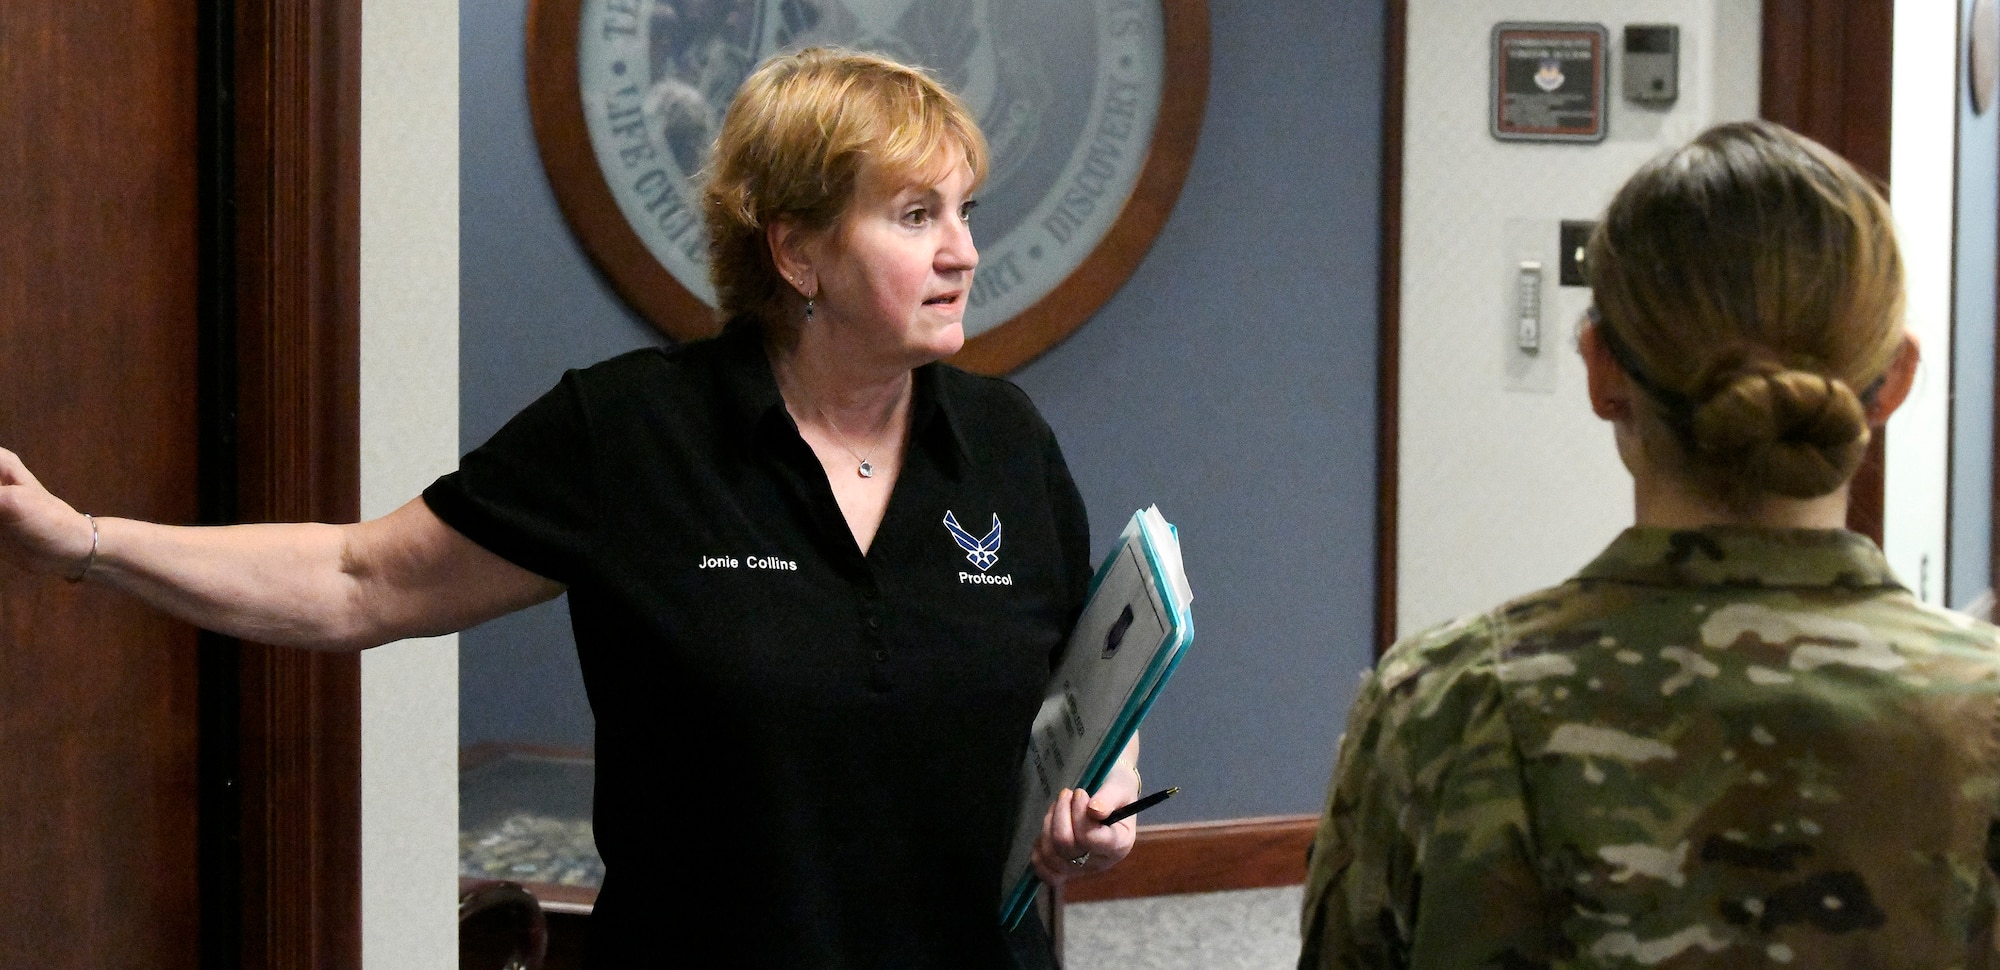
{"x": 749, "y": 562}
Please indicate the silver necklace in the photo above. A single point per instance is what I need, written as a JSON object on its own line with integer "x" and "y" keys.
{"x": 864, "y": 469}
{"x": 862, "y": 466}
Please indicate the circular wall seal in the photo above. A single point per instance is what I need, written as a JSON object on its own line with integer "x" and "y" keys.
{"x": 1093, "y": 108}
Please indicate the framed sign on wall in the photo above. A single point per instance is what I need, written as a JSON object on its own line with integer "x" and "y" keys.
{"x": 1548, "y": 82}
{"x": 1093, "y": 108}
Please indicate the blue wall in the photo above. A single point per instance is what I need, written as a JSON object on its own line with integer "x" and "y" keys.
{"x": 1969, "y": 540}
{"x": 1232, "y": 382}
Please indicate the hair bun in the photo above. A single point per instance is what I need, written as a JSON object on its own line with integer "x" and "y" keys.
{"x": 1774, "y": 429}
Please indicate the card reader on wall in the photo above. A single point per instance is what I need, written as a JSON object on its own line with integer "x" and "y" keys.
{"x": 1528, "y": 307}
{"x": 1652, "y": 63}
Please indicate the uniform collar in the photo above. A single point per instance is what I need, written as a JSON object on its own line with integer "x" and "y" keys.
{"x": 749, "y": 390}
{"x": 1743, "y": 556}
{"x": 757, "y": 408}
{"x": 933, "y": 422}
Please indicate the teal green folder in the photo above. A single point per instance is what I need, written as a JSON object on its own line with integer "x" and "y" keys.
{"x": 1136, "y": 625}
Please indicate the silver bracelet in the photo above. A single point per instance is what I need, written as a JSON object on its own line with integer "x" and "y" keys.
{"x": 90, "y": 560}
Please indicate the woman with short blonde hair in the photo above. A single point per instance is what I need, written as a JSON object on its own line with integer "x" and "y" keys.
{"x": 794, "y": 148}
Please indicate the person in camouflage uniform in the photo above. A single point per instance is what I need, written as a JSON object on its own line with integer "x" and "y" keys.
{"x": 1733, "y": 739}
{"x": 1719, "y": 747}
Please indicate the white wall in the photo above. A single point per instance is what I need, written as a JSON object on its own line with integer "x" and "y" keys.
{"x": 1922, "y": 168}
{"x": 409, "y": 435}
{"x": 1506, "y": 482}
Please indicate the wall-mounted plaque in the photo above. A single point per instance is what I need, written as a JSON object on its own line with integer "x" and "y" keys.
{"x": 1548, "y": 82}
{"x": 1093, "y": 108}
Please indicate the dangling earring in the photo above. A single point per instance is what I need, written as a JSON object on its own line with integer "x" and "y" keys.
{"x": 809, "y": 309}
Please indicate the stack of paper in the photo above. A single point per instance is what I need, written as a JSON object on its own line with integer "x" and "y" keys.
{"x": 1134, "y": 628}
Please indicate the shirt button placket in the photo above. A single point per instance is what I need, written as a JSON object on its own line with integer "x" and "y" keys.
{"x": 878, "y": 649}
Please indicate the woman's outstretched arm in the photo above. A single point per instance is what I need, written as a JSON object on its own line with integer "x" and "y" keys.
{"x": 330, "y": 587}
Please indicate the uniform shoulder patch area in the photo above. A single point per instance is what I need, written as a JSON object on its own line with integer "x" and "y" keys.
{"x": 1447, "y": 644}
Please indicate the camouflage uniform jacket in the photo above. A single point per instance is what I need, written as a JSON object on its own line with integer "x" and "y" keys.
{"x": 1715, "y": 748}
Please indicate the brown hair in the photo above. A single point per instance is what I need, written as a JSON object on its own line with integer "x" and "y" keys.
{"x": 1751, "y": 285}
{"x": 795, "y": 143}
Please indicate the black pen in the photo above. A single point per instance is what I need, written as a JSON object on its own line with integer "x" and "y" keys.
{"x": 1139, "y": 806}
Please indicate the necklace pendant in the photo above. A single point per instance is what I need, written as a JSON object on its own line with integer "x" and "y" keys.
{"x": 866, "y": 470}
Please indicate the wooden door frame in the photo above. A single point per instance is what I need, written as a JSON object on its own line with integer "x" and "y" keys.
{"x": 291, "y": 309}
{"x": 1828, "y": 80}
{"x": 1389, "y": 318}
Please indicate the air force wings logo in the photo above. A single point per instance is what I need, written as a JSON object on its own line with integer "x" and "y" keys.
{"x": 981, "y": 552}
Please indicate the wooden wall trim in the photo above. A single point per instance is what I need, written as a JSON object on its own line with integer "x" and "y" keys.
{"x": 298, "y": 116}
{"x": 486, "y": 752}
{"x": 553, "y": 898}
{"x": 1190, "y": 857}
{"x": 1826, "y": 75}
{"x": 1389, "y": 317}
{"x": 1203, "y": 857}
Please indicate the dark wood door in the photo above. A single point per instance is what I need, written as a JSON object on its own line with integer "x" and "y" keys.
{"x": 1826, "y": 75}
{"x": 99, "y": 249}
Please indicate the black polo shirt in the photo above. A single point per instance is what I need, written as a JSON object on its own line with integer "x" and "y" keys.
{"x": 812, "y": 753}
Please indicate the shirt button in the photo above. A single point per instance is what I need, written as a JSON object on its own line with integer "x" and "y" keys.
{"x": 881, "y": 655}
{"x": 874, "y": 623}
